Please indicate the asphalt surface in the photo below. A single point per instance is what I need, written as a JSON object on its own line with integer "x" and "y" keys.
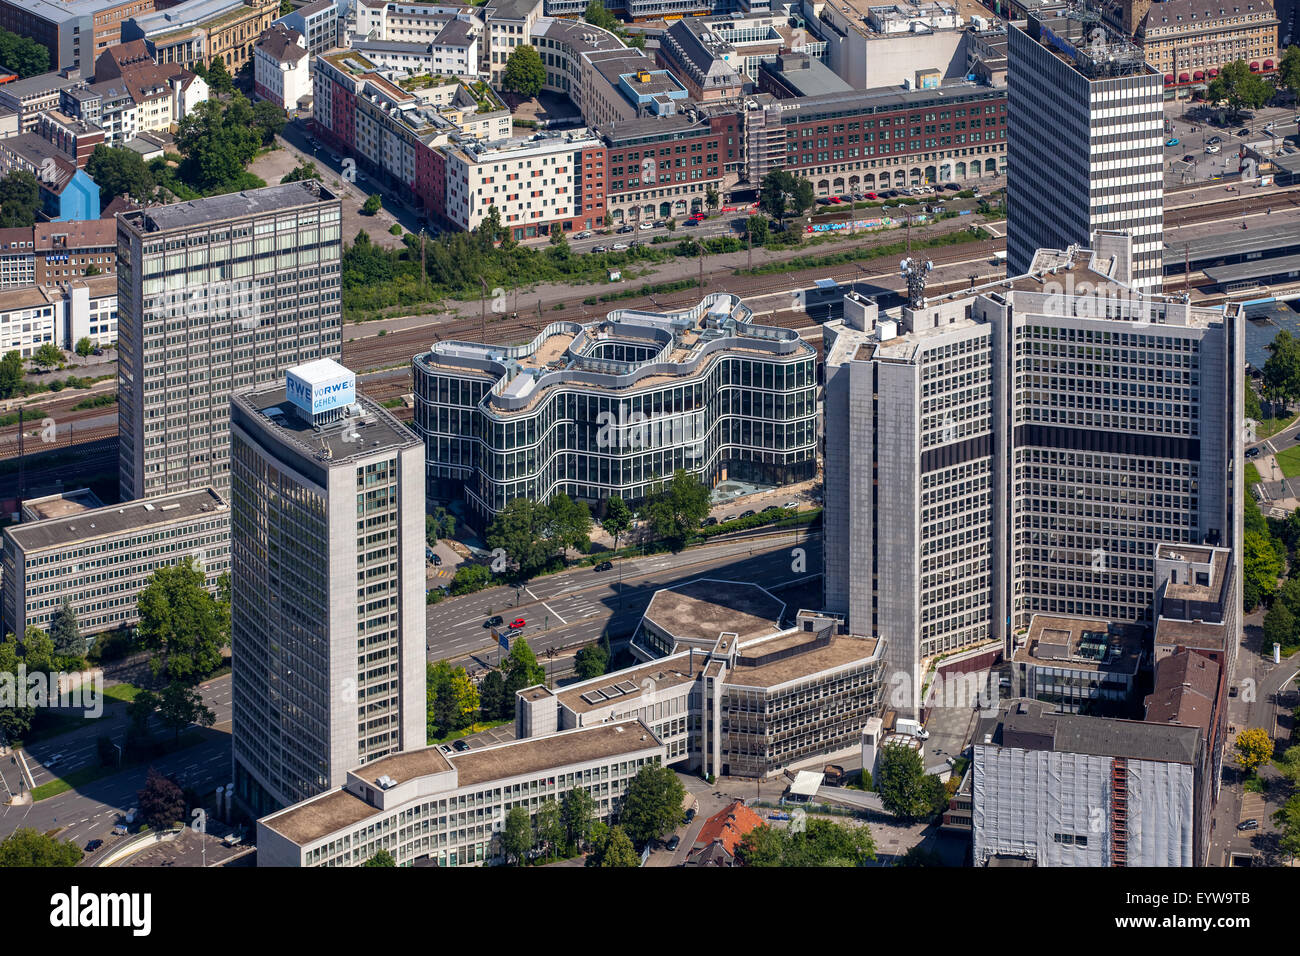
{"x": 578, "y": 606}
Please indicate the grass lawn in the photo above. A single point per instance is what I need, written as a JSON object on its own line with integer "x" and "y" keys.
{"x": 471, "y": 729}
{"x": 1289, "y": 461}
{"x": 1252, "y": 474}
{"x": 123, "y": 692}
{"x": 1271, "y": 426}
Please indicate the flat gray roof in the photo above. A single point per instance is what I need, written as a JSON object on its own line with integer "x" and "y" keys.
{"x": 115, "y": 520}
{"x": 250, "y": 202}
{"x": 1234, "y": 242}
{"x": 376, "y": 429}
{"x": 702, "y": 609}
{"x": 1255, "y": 269}
{"x": 1030, "y": 725}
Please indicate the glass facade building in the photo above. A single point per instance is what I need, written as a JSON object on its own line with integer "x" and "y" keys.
{"x": 616, "y": 407}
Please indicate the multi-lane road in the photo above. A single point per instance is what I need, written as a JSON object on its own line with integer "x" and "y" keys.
{"x": 578, "y": 606}
{"x": 563, "y": 611}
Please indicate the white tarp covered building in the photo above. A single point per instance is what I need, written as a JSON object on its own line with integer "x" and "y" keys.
{"x": 1065, "y": 790}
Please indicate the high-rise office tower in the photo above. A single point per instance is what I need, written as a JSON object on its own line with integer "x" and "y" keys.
{"x": 1024, "y": 449}
{"x": 327, "y": 585}
{"x": 1085, "y": 142}
{"x": 216, "y": 295}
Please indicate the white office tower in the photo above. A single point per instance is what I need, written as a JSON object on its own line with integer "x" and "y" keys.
{"x": 327, "y": 586}
{"x": 1085, "y": 141}
{"x": 214, "y": 296}
{"x": 1023, "y": 448}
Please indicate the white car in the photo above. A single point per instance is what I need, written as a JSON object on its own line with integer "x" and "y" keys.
{"x": 584, "y": 235}
{"x": 619, "y": 246}
{"x": 646, "y": 225}
{"x": 791, "y": 504}
{"x": 923, "y": 734}
{"x": 57, "y": 758}
{"x": 1212, "y": 148}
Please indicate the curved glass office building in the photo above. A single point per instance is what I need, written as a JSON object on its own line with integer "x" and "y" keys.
{"x": 616, "y": 406}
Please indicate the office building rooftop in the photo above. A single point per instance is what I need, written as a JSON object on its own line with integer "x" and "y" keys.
{"x": 112, "y": 520}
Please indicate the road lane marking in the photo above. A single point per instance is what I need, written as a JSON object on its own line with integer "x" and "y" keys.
{"x": 555, "y": 612}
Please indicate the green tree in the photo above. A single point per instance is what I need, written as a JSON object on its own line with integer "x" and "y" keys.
{"x": 653, "y": 804}
{"x": 1253, "y": 746}
{"x": 440, "y": 700}
{"x": 218, "y": 139}
{"x": 1288, "y": 822}
{"x": 617, "y": 520}
{"x": 550, "y": 826}
{"x": 492, "y": 700}
{"x": 676, "y": 510}
{"x": 597, "y": 15}
{"x": 636, "y": 41}
{"x": 774, "y": 193}
{"x": 23, "y": 55}
{"x": 522, "y": 669}
{"x": 373, "y": 204}
{"x": 219, "y": 78}
{"x": 1253, "y": 408}
{"x": 161, "y": 801}
{"x": 1289, "y": 765}
{"x": 756, "y": 228}
{"x": 711, "y": 198}
{"x": 26, "y": 847}
{"x": 802, "y": 196}
{"x": 517, "y": 837}
{"x": 11, "y": 374}
{"x": 577, "y": 813}
{"x": 48, "y": 356}
{"x": 905, "y": 789}
{"x": 269, "y": 119}
{"x": 469, "y": 578}
{"x": 525, "y": 72}
{"x": 84, "y": 346}
{"x": 1239, "y": 87}
{"x": 178, "y": 706}
{"x": 303, "y": 171}
{"x": 590, "y": 661}
{"x": 558, "y": 245}
{"x": 1279, "y": 625}
{"x": 615, "y": 850}
{"x": 820, "y": 843}
{"x": 568, "y": 524}
{"x": 1281, "y": 372}
{"x": 65, "y": 633}
{"x": 120, "y": 172}
{"x": 286, "y": 7}
{"x": 1288, "y": 70}
{"x": 183, "y": 626}
{"x": 20, "y": 200}
{"x": 1261, "y": 568}
{"x": 521, "y": 530}
{"x": 382, "y": 857}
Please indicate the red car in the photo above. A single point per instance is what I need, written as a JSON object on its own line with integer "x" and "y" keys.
{"x": 835, "y": 200}
{"x": 699, "y": 216}
{"x": 517, "y": 623}
{"x": 872, "y": 196}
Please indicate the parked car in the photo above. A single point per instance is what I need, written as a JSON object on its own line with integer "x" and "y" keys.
{"x": 1212, "y": 148}
{"x": 634, "y": 243}
{"x": 708, "y": 522}
{"x": 1232, "y": 691}
{"x": 674, "y": 842}
{"x": 494, "y": 621}
{"x": 605, "y": 566}
{"x": 872, "y": 196}
{"x": 1243, "y": 132}
{"x": 583, "y": 235}
{"x": 624, "y": 230}
{"x": 599, "y": 249}
{"x": 858, "y": 197}
{"x": 747, "y": 514}
{"x": 792, "y": 503}
{"x": 646, "y": 225}
{"x": 690, "y": 814}
{"x": 1251, "y": 824}
{"x": 619, "y": 246}
{"x": 94, "y": 845}
{"x": 460, "y": 745}
{"x": 1189, "y": 158}
{"x": 923, "y": 734}
{"x": 771, "y": 508}
{"x": 517, "y": 623}
{"x": 120, "y": 830}
{"x": 98, "y": 352}
{"x": 437, "y": 560}
{"x": 952, "y": 187}
{"x": 1252, "y": 452}
{"x": 659, "y": 223}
